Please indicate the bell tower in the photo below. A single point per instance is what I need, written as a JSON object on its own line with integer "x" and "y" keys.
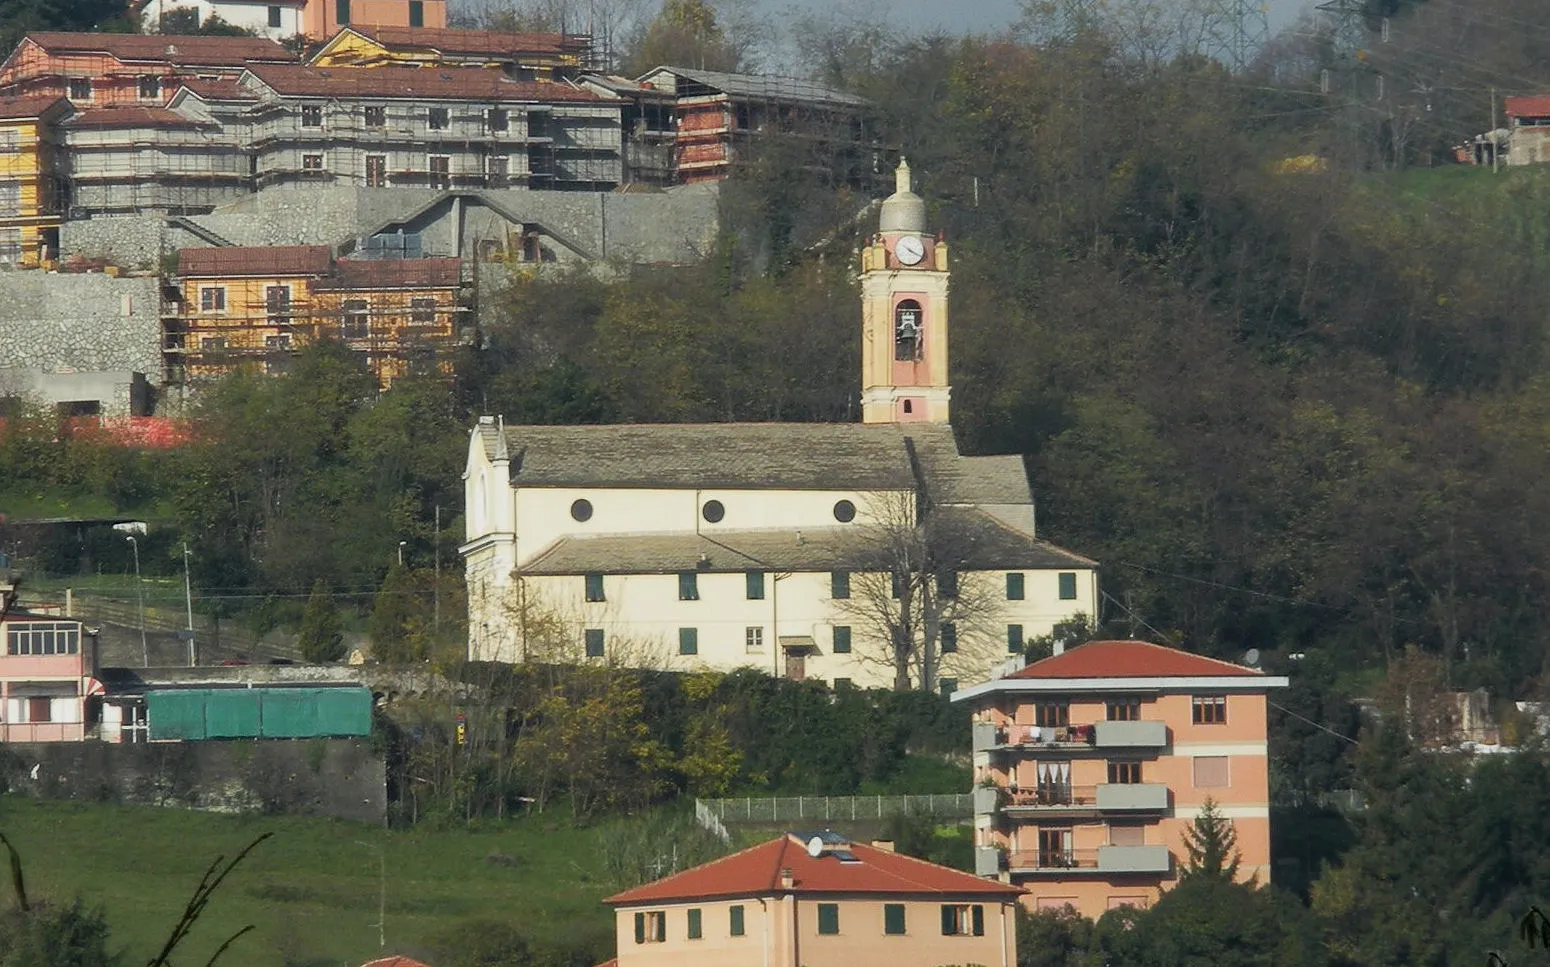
{"x": 904, "y": 315}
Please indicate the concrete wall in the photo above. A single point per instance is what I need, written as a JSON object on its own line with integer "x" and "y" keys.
{"x": 70, "y": 326}
{"x": 343, "y": 778}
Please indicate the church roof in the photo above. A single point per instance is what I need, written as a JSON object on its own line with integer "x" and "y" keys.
{"x": 978, "y": 541}
{"x": 755, "y": 456}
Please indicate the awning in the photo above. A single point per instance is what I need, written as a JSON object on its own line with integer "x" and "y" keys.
{"x": 94, "y": 687}
{"x": 798, "y": 643}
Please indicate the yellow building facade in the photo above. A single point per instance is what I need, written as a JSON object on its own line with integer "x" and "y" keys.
{"x": 258, "y": 307}
{"x": 522, "y": 56}
{"x": 31, "y": 204}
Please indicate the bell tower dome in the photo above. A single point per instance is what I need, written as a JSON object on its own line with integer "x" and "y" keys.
{"x": 904, "y": 314}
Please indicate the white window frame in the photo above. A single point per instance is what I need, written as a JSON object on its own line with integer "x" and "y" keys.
{"x": 753, "y": 639}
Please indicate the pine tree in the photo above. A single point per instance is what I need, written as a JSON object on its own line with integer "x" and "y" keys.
{"x": 1212, "y": 844}
{"x": 322, "y": 637}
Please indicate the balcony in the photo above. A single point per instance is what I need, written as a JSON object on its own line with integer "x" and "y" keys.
{"x": 1133, "y": 797}
{"x": 1131, "y": 735}
{"x": 1053, "y": 861}
{"x": 990, "y": 737}
{"x": 1104, "y": 859}
{"x": 1134, "y": 859}
{"x": 988, "y": 860}
{"x": 987, "y": 799}
{"x": 1052, "y": 798}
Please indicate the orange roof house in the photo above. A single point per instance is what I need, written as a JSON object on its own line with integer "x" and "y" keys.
{"x": 816, "y": 900}
{"x": 1091, "y": 765}
{"x": 106, "y": 69}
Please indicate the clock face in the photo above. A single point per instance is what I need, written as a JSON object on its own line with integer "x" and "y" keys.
{"x": 909, "y": 249}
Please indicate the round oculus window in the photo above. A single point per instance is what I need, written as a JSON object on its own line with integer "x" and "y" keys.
{"x": 844, "y": 511}
{"x": 581, "y": 510}
{"x": 713, "y": 511}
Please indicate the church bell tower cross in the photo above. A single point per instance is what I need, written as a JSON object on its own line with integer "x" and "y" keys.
{"x": 904, "y": 315}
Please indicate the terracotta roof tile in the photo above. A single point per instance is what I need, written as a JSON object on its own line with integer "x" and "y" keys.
{"x": 179, "y": 51}
{"x": 392, "y": 274}
{"x": 452, "y": 83}
{"x": 394, "y": 961}
{"x": 16, "y": 108}
{"x": 1130, "y": 659}
{"x": 475, "y": 42}
{"x": 277, "y": 260}
{"x": 131, "y": 116}
{"x": 756, "y": 871}
{"x": 217, "y": 89}
{"x": 1536, "y": 107}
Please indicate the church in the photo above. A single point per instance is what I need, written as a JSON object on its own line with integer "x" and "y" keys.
{"x": 870, "y": 554}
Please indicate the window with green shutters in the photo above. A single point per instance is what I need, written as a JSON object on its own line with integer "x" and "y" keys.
{"x": 688, "y": 641}
{"x": 594, "y": 587}
{"x": 688, "y": 586}
{"x": 947, "y": 584}
{"x": 651, "y": 927}
{"x": 839, "y": 585}
{"x": 1067, "y": 586}
{"x": 594, "y": 638}
{"x": 1014, "y": 586}
{"x": 963, "y": 920}
{"x": 696, "y": 924}
{"x": 828, "y": 918}
{"x": 949, "y": 637}
{"x": 755, "y": 585}
{"x": 342, "y": 12}
{"x": 842, "y": 639}
{"x": 1014, "y": 639}
{"x": 736, "y": 915}
{"x": 893, "y": 918}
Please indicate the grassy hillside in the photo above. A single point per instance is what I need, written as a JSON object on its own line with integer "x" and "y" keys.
{"x": 311, "y": 890}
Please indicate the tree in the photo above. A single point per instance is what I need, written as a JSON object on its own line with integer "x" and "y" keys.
{"x": 399, "y": 629}
{"x": 1212, "y": 845}
{"x": 926, "y": 611}
{"x": 688, "y": 33}
{"x": 322, "y": 637}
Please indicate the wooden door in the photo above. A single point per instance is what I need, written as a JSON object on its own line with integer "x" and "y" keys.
{"x": 796, "y": 666}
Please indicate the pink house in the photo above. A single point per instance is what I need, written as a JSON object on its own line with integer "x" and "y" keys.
{"x": 816, "y": 900}
{"x": 45, "y": 677}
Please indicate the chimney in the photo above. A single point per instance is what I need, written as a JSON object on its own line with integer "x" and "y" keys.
{"x": 886, "y": 845}
{"x": 787, "y": 880}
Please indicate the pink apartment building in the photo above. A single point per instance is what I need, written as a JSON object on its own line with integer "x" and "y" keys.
{"x": 1090, "y": 765}
{"x": 816, "y": 900}
{"x": 45, "y": 677}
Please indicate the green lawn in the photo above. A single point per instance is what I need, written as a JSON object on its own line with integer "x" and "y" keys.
{"x": 312, "y": 889}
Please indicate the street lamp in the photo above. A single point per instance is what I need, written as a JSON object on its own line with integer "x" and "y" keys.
{"x": 401, "y": 552}
{"x": 145, "y": 651}
{"x": 188, "y": 598}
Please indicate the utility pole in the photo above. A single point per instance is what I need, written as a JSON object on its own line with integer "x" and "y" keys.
{"x": 145, "y": 650}
{"x": 436, "y": 579}
{"x": 188, "y": 599}
{"x": 1495, "y": 143}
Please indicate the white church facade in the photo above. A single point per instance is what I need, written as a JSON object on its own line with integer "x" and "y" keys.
{"x": 873, "y": 554}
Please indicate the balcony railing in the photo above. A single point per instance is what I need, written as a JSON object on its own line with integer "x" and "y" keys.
{"x": 1132, "y": 797}
{"x": 1134, "y": 859}
{"x": 1131, "y": 735}
{"x": 1053, "y": 796}
{"x": 1102, "y": 735}
{"x": 1053, "y": 860}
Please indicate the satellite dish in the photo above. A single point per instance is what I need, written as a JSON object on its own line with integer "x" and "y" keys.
{"x": 1251, "y": 657}
{"x": 815, "y": 847}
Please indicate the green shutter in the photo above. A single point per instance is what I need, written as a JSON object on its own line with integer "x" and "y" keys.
{"x": 828, "y": 918}
{"x": 737, "y": 920}
{"x": 594, "y": 638}
{"x": 893, "y": 918}
{"x": 1014, "y": 586}
{"x": 841, "y": 639}
{"x": 694, "y": 924}
{"x": 979, "y": 920}
{"x": 688, "y": 586}
{"x": 640, "y": 928}
{"x": 839, "y": 585}
{"x": 1067, "y": 586}
{"x": 949, "y": 637}
{"x": 1014, "y": 639}
{"x": 688, "y": 641}
{"x": 755, "y": 585}
{"x": 949, "y": 919}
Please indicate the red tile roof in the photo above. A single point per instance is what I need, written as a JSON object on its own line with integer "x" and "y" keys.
{"x": 277, "y": 260}
{"x": 392, "y": 274}
{"x": 177, "y": 51}
{"x": 756, "y": 871}
{"x": 1532, "y": 107}
{"x": 452, "y": 83}
{"x": 217, "y": 89}
{"x": 131, "y": 116}
{"x": 1130, "y": 659}
{"x": 475, "y": 42}
{"x": 16, "y": 108}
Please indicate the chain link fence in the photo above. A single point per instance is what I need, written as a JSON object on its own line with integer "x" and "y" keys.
{"x": 787, "y": 809}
